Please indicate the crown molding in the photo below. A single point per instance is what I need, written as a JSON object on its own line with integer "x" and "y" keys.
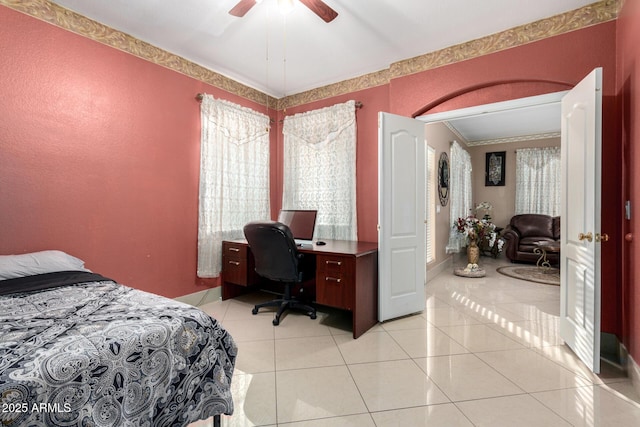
{"x": 455, "y": 132}
{"x": 586, "y": 16}
{"x": 521, "y": 138}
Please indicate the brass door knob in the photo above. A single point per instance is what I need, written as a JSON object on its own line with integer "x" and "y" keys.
{"x": 604, "y": 237}
{"x": 588, "y": 237}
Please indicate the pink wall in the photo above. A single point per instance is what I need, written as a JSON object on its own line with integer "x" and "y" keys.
{"x": 100, "y": 156}
{"x": 628, "y": 87}
{"x": 100, "y": 150}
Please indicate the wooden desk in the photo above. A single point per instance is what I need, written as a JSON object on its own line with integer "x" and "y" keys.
{"x": 346, "y": 276}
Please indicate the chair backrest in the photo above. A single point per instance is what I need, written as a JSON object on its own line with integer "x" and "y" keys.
{"x": 533, "y": 225}
{"x": 274, "y": 250}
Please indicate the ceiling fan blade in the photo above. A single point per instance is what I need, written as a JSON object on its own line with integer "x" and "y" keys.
{"x": 321, "y": 9}
{"x": 242, "y": 8}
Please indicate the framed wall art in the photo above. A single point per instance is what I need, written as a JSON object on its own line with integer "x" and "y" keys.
{"x": 443, "y": 179}
{"x": 495, "y": 166}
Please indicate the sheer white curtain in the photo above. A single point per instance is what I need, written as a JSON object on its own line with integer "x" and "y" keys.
{"x": 234, "y": 177}
{"x": 460, "y": 193}
{"x": 320, "y": 168}
{"x": 538, "y": 181}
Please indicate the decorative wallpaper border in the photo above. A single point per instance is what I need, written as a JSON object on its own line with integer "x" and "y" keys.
{"x": 52, "y": 13}
{"x": 593, "y": 14}
{"x": 76, "y": 23}
{"x": 366, "y": 81}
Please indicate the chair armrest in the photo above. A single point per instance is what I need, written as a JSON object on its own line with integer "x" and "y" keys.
{"x": 510, "y": 233}
{"x": 511, "y": 238}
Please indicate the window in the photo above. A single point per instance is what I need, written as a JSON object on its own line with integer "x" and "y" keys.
{"x": 320, "y": 168}
{"x": 538, "y": 181}
{"x": 234, "y": 177}
{"x": 461, "y": 193}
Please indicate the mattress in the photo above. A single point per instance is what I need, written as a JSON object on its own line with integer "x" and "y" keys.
{"x": 79, "y": 349}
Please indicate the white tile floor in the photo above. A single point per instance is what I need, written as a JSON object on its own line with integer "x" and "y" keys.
{"x": 486, "y": 352}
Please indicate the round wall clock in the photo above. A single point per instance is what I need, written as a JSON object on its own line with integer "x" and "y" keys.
{"x": 443, "y": 179}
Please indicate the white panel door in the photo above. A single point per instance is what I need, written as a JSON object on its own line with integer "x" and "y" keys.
{"x": 580, "y": 226}
{"x": 401, "y": 216}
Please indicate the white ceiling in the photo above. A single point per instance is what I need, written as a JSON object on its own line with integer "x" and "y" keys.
{"x": 518, "y": 120}
{"x": 512, "y": 124}
{"x": 288, "y": 54}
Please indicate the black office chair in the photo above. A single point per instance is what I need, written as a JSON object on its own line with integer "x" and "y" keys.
{"x": 277, "y": 258}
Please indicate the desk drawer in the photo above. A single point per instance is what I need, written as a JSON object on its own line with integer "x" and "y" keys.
{"x": 236, "y": 251}
{"x": 335, "y": 281}
{"x": 237, "y": 264}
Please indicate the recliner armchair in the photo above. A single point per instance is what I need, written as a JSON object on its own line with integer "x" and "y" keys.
{"x": 525, "y": 231}
{"x": 277, "y": 258}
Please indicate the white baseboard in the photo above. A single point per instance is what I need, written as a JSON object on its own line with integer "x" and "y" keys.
{"x": 434, "y": 269}
{"x": 202, "y": 297}
{"x": 633, "y": 370}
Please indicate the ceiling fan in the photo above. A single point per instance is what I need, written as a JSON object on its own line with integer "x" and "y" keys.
{"x": 318, "y": 7}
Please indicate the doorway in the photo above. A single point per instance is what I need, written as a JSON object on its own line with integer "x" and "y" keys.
{"x": 500, "y": 124}
{"x": 580, "y": 125}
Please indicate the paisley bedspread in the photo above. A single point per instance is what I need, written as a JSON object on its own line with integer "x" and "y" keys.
{"x": 97, "y": 353}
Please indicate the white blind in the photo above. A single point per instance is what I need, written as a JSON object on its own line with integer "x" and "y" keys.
{"x": 431, "y": 205}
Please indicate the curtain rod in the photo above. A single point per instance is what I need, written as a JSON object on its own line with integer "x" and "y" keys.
{"x": 200, "y": 96}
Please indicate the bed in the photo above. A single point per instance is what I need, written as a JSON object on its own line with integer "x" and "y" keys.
{"x": 79, "y": 349}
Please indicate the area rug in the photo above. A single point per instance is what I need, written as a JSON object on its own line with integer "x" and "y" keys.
{"x": 532, "y": 274}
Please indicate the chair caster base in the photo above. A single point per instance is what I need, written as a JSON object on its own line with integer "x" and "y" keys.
{"x": 284, "y": 304}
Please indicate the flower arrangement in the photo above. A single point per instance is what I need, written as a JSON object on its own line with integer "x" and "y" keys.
{"x": 482, "y": 231}
{"x": 473, "y": 228}
{"x": 485, "y": 207}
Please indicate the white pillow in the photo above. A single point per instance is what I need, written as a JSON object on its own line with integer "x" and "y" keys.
{"x": 12, "y": 266}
